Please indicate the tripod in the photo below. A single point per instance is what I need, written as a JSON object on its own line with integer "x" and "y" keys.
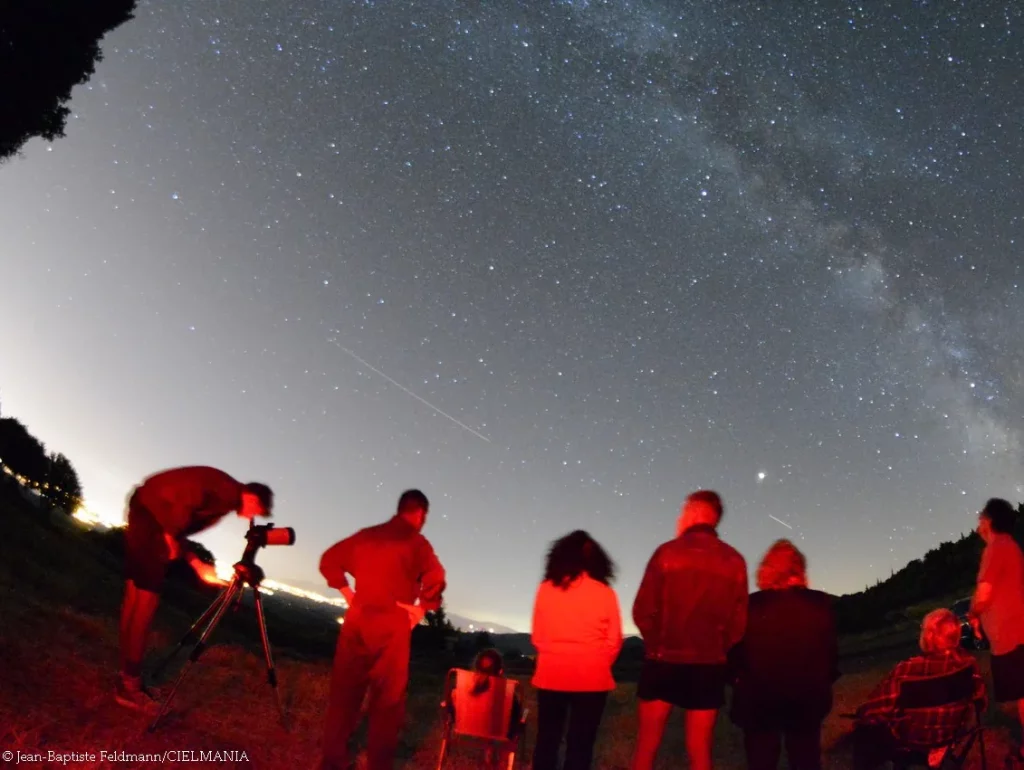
{"x": 247, "y": 573}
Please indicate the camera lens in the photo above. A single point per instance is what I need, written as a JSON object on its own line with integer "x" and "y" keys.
{"x": 280, "y": 536}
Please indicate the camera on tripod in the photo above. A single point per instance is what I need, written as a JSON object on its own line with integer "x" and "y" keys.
{"x": 260, "y": 536}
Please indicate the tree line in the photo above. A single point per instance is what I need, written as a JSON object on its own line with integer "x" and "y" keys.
{"x": 46, "y": 49}
{"x": 51, "y": 474}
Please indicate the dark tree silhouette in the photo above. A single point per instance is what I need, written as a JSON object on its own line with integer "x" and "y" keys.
{"x": 435, "y": 634}
{"x": 439, "y": 620}
{"x": 63, "y": 487}
{"x": 22, "y": 452}
{"x": 47, "y": 47}
{"x": 482, "y": 640}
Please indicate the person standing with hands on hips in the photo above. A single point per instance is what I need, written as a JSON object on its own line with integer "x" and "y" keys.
{"x": 398, "y": 579}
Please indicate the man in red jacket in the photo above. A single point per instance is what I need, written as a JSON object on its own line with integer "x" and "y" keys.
{"x": 394, "y": 566}
{"x": 163, "y": 512}
{"x": 691, "y": 609}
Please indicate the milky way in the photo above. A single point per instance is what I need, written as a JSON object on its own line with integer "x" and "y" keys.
{"x": 640, "y": 248}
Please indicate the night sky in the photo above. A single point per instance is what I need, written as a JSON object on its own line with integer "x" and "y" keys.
{"x": 558, "y": 264}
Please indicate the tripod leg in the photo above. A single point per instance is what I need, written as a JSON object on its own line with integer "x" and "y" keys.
{"x": 271, "y": 672}
{"x": 191, "y": 637}
{"x": 236, "y": 585}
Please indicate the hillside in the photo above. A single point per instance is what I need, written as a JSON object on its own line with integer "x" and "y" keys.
{"x": 945, "y": 573}
{"x": 54, "y": 565}
{"x": 60, "y": 588}
{"x": 60, "y": 642}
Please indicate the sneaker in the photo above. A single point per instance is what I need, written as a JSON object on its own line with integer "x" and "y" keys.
{"x": 131, "y": 694}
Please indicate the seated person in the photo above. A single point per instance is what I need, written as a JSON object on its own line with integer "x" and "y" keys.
{"x": 488, "y": 663}
{"x": 874, "y": 742}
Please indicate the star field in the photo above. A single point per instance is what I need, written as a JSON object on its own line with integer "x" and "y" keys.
{"x": 558, "y": 264}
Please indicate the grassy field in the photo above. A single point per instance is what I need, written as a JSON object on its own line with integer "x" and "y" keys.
{"x": 59, "y": 597}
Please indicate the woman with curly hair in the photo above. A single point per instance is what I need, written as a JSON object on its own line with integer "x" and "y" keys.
{"x": 577, "y": 630}
{"x": 786, "y": 664}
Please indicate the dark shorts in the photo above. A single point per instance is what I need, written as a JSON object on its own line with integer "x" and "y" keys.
{"x": 1008, "y": 676}
{"x": 146, "y": 555}
{"x": 686, "y": 685}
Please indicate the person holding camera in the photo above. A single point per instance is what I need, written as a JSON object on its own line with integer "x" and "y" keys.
{"x": 166, "y": 509}
{"x": 398, "y": 579}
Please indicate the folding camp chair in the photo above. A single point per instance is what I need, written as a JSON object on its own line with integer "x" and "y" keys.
{"x": 920, "y": 701}
{"x": 481, "y": 713}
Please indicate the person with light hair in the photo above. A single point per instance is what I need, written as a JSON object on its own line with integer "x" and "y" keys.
{"x": 939, "y": 640}
{"x": 784, "y": 667}
{"x": 940, "y": 630}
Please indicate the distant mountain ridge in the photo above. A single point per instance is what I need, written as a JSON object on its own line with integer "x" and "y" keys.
{"x": 468, "y": 625}
{"x": 462, "y": 622}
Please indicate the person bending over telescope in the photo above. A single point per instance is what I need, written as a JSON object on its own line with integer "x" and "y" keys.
{"x": 163, "y": 511}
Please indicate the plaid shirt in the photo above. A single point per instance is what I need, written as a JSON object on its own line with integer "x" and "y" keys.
{"x": 924, "y": 727}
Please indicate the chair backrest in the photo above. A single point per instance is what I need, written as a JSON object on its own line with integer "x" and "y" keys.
{"x": 934, "y": 711}
{"x": 937, "y": 691}
{"x": 483, "y": 704}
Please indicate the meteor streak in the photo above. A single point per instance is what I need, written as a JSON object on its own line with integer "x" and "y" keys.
{"x": 780, "y": 521}
{"x": 400, "y": 386}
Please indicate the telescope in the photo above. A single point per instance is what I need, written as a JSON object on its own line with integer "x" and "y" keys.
{"x": 247, "y": 573}
{"x": 267, "y": 534}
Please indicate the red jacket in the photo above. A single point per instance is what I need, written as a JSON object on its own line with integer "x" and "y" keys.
{"x": 692, "y": 603}
{"x": 578, "y": 635}
{"x": 391, "y": 562}
{"x": 186, "y": 501}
